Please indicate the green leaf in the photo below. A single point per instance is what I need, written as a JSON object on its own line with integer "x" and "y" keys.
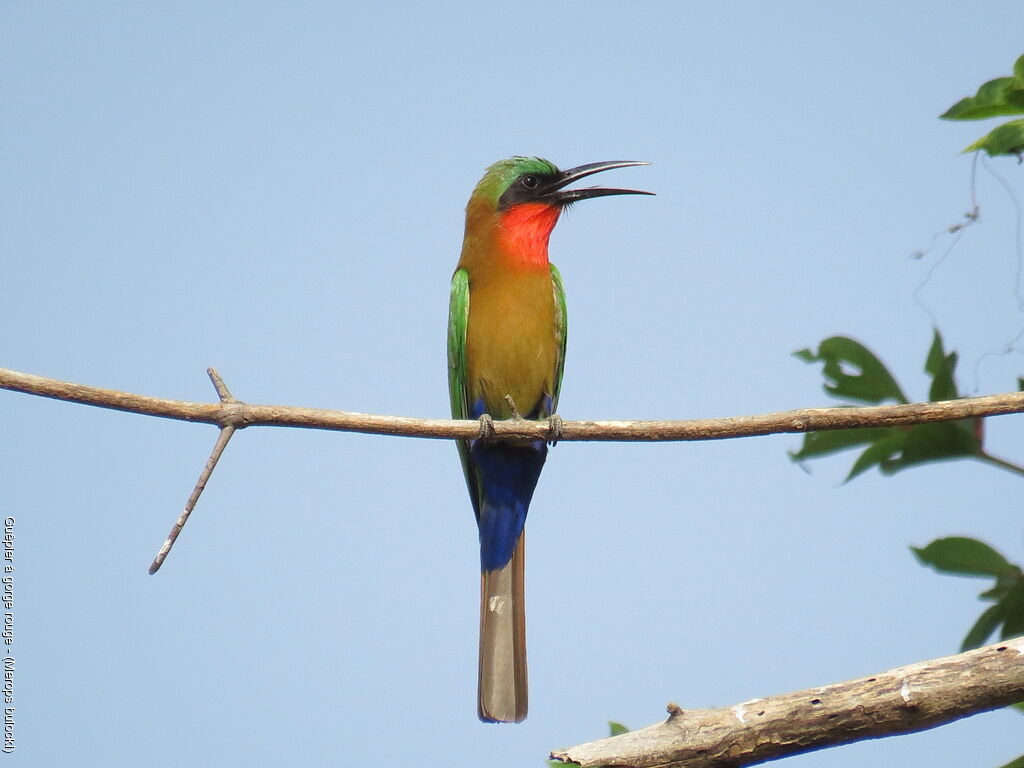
{"x": 1020, "y": 384}
{"x": 833, "y": 441}
{"x": 878, "y": 454}
{"x": 1013, "y": 603}
{"x": 1002, "y": 96}
{"x": 983, "y": 628}
{"x": 616, "y": 729}
{"x": 963, "y": 556}
{"x": 1004, "y": 583}
{"x": 1019, "y": 762}
{"x": 1019, "y": 706}
{"x": 930, "y": 442}
{"x": 806, "y": 355}
{"x": 939, "y": 441}
{"x": 941, "y": 368}
{"x": 853, "y": 371}
{"x": 1007, "y": 139}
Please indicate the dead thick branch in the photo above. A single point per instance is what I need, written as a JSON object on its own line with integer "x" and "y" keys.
{"x": 902, "y": 700}
{"x": 237, "y": 414}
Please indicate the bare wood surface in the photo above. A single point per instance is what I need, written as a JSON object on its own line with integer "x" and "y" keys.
{"x": 238, "y": 414}
{"x": 906, "y": 699}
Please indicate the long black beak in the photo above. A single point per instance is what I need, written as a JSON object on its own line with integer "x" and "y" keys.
{"x": 560, "y": 196}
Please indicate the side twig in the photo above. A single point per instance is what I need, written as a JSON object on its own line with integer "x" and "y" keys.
{"x": 218, "y": 448}
{"x": 903, "y": 700}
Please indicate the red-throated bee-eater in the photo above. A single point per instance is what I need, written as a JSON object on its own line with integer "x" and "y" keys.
{"x": 506, "y": 351}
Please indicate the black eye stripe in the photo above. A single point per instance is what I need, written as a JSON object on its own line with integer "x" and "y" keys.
{"x": 527, "y": 187}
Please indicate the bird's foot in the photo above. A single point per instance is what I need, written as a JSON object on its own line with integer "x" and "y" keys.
{"x": 486, "y": 426}
{"x": 512, "y": 404}
{"x": 554, "y": 429}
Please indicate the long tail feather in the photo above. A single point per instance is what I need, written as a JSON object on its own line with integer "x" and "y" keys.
{"x": 502, "y": 680}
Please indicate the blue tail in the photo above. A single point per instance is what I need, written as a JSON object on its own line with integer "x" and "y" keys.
{"x": 507, "y": 475}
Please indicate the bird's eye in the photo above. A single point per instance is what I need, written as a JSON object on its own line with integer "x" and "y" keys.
{"x": 530, "y": 181}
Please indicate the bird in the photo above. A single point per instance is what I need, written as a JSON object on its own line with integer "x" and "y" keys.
{"x": 506, "y": 354}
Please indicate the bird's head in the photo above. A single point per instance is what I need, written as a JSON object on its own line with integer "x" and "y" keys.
{"x": 519, "y": 180}
{"x": 525, "y": 195}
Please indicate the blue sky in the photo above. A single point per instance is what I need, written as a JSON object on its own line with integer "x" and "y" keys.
{"x": 278, "y": 191}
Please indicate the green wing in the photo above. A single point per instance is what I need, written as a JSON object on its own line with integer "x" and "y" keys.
{"x": 458, "y": 321}
{"x": 561, "y": 324}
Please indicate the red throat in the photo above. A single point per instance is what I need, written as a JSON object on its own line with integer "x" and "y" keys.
{"x": 524, "y": 233}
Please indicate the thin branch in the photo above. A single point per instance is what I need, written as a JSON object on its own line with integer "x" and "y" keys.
{"x": 218, "y": 384}
{"x": 239, "y": 415}
{"x": 218, "y": 448}
{"x": 995, "y": 461}
{"x": 231, "y": 414}
{"x": 902, "y": 700}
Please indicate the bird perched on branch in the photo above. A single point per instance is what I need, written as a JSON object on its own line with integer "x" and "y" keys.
{"x": 506, "y": 351}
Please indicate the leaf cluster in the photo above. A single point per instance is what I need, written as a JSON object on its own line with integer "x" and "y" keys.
{"x": 961, "y": 556}
{"x": 996, "y": 98}
{"x": 854, "y": 373}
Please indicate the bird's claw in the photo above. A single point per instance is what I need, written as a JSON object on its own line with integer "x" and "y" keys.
{"x": 486, "y": 426}
{"x": 554, "y": 429}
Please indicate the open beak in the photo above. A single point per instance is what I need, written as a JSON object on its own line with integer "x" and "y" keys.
{"x": 560, "y": 196}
